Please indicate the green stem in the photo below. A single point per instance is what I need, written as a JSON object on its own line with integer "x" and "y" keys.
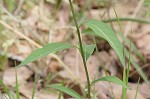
{"x": 17, "y": 86}
{"x": 34, "y": 87}
{"x": 129, "y": 60}
{"x": 127, "y": 19}
{"x": 103, "y": 66}
{"x": 81, "y": 49}
{"x": 124, "y": 90}
{"x": 0, "y": 19}
{"x": 135, "y": 97}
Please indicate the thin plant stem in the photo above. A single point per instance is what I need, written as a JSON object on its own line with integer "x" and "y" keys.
{"x": 94, "y": 93}
{"x": 81, "y": 49}
{"x": 137, "y": 89}
{"x": 127, "y": 19}
{"x": 17, "y": 85}
{"x": 17, "y": 89}
{"x": 126, "y": 74}
{"x": 60, "y": 93}
{"x": 129, "y": 59}
{"x": 103, "y": 67}
{"x": 34, "y": 88}
{"x": 124, "y": 90}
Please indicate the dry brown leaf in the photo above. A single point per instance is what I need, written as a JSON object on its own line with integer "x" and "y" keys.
{"x": 144, "y": 89}
{"x": 26, "y": 90}
{"x": 145, "y": 27}
{"x": 63, "y": 16}
{"x": 74, "y": 61}
{"x": 39, "y": 19}
{"x": 53, "y": 66}
{"x": 143, "y": 44}
{"x": 9, "y": 76}
{"x": 58, "y": 35}
{"x": 104, "y": 91}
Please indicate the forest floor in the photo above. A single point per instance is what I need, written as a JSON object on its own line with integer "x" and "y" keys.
{"x": 30, "y": 24}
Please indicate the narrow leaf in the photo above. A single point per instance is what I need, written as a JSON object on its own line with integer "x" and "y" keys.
{"x": 112, "y": 79}
{"x": 47, "y": 49}
{"x": 127, "y": 41}
{"x": 89, "y": 31}
{"x": 135, "y": 97}
{"x": 136, "y": 66}
{"x": 17, "y": 85}
{"x": 88, "y": 50}
{"x": 34, "y": 87}
{"x": 103, "y": 30}
{"x": 66, "y": 90}
{"x": 133, "y": 48}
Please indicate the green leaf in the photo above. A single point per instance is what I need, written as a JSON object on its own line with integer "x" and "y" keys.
{"x": 66, "y": 90}
{"x": 133, "y": 48}
{"x": 47, "y": 49}
{"x": 127, "y": 42}
{"x": 88, "y": 50}
{"x": 112, "y": 79}
{"x": 89, "y": 31}
{"x": 103, "y": 30}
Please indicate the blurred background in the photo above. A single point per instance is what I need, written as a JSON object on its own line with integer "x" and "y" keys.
{"x": 26, "y": 25}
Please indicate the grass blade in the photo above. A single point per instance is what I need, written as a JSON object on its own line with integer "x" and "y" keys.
{"x": 112, "y": 79}
{"x": 66, "y": 90}
{"x": 127, "y": 19}
{"x": 127, "y": 42}
{"x": 47, "y": 49}
{"x": 60, "y": 93}
{"x": 17, "y": 86}
{"x": 133, "y": 48}
{"x": 103, "y": 30}
{"x": 136, "y": 66}
{"x": 34, "y": 88}
{"x": 137, "y": 88}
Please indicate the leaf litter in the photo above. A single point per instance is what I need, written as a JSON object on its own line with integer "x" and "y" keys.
{"x": 44, "y": 27}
